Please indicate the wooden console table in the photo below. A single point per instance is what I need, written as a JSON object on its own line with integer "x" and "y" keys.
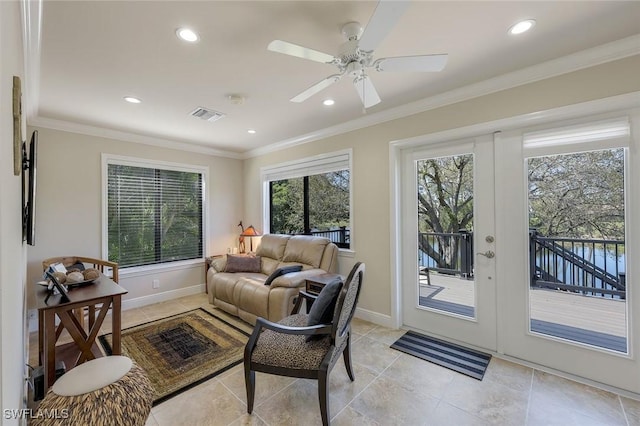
{"x": 103, "y": 292}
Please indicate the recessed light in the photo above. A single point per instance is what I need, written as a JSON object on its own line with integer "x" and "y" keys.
{"x": 251, "y": 131}
{"x": 132, "y": 100}
{"x": 187, "y": 34}
{"x": 328, "y": 102}
{"x": 522, "y": 26}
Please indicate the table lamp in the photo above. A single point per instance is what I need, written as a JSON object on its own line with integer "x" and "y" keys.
{"x": 250, "y": 232}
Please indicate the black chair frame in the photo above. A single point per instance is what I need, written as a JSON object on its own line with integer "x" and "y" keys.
{"x": 339, "y": 331}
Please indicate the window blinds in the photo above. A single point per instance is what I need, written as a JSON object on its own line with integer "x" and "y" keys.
{"x": 612, "y": 133}
{"x": 308, "y": 167}
{"x": 154, "y": 215}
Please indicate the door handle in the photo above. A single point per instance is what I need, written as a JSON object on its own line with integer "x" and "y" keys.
{"x": 488, "y": 254}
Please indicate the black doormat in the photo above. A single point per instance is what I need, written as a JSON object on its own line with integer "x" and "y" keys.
{"x": 454, "y": 357}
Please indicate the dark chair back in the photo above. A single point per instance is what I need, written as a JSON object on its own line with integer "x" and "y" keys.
{"x": 346, "y": 305}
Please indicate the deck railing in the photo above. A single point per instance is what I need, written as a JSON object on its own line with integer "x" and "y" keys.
{"x": 449, "y": 253}
{"x": 594, "y": 267}
{"x": 587, "y": 266}
{"x": 341, "y": 236}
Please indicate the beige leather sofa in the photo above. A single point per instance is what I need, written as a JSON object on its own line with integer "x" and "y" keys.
{"x": 245, "y": 295}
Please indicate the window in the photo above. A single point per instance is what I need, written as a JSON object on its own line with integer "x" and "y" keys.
{"x": 311, "y": 197}
{"x": 154, "y": 213}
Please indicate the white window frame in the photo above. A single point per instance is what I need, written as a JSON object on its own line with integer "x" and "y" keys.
{"x": 154, "y": 164}
{"x": 318, "y": 164}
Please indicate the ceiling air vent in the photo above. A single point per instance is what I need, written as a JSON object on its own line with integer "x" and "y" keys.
{"x": 207, "y": 114}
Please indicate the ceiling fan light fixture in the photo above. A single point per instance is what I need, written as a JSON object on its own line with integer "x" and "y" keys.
{"x": 328, "y": 102}
{"x": 187, "y": 34}
{"x": 522, "y": 26}
{"x": 352, "y": 30}
{"x": 357, "y": 54}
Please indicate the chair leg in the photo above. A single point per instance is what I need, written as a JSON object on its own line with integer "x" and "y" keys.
{"x": 323, "y": 395}
{"x": 347, "y": 359}
{"x": 250, "y": 383}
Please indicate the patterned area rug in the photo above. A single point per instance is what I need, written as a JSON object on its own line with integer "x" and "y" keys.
{"x": 183, "y": 350}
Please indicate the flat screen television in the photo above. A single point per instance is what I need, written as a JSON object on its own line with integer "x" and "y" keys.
{"x": 29, "y": 165}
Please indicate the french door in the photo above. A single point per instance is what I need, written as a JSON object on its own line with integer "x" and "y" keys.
{"x": 572, "y": 311}
{"x": 449, "y": 244}
{"x": 482, "y": 262}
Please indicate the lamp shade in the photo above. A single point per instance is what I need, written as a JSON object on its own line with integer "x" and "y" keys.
{"x": 250, "y": 232}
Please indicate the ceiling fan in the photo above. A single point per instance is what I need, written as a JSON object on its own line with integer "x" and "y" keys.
{"x": 356, "y": 54}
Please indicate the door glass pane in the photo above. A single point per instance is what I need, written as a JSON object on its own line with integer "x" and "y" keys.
{"x": 445, "y": 234}
{"x": 577, "y": 248}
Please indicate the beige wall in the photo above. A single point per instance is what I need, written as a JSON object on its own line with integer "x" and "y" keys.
{"x": 69, "y": 207}
{"x": 371, "y": 209}
{"x": 12, "y": 252}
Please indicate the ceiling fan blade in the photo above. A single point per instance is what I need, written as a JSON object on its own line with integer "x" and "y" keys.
{"x": 299, "y": 51}
{"x": 366, "y": 90}
{"x": 319, "y": 86}
{"x": 383, "y": 20}
{"x": 423, "y": 63}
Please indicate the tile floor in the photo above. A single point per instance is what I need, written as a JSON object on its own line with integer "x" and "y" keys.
{"x": 391, "y": 388}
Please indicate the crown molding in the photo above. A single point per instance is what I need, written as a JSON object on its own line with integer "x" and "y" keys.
{"x": 609, "y": 52}
{"x": 67, "y": 126}
{"x": 618, "y": 103}
{"x": 32, "y": 38}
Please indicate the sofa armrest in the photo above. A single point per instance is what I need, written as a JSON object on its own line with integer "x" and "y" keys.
{"x": 218, "y": 264}
{"x": 296, "y": 279}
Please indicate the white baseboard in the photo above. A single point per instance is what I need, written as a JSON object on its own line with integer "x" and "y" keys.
{"x": 363, "y": 314}
{"x": 161, "y": 297}
{"x": 374, "y": 317}
{"x": 135, "y": 302}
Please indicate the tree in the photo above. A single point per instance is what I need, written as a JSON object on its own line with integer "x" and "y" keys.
{"x": 445, "y": 205}
{"x": 579, "y": 195}
{"x": 329, "y": 200}
{"x": 328, "y": 203}
{"x": 286, "y": 206}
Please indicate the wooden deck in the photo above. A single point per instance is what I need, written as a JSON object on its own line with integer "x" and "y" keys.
{"x": 591, "y": 320}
